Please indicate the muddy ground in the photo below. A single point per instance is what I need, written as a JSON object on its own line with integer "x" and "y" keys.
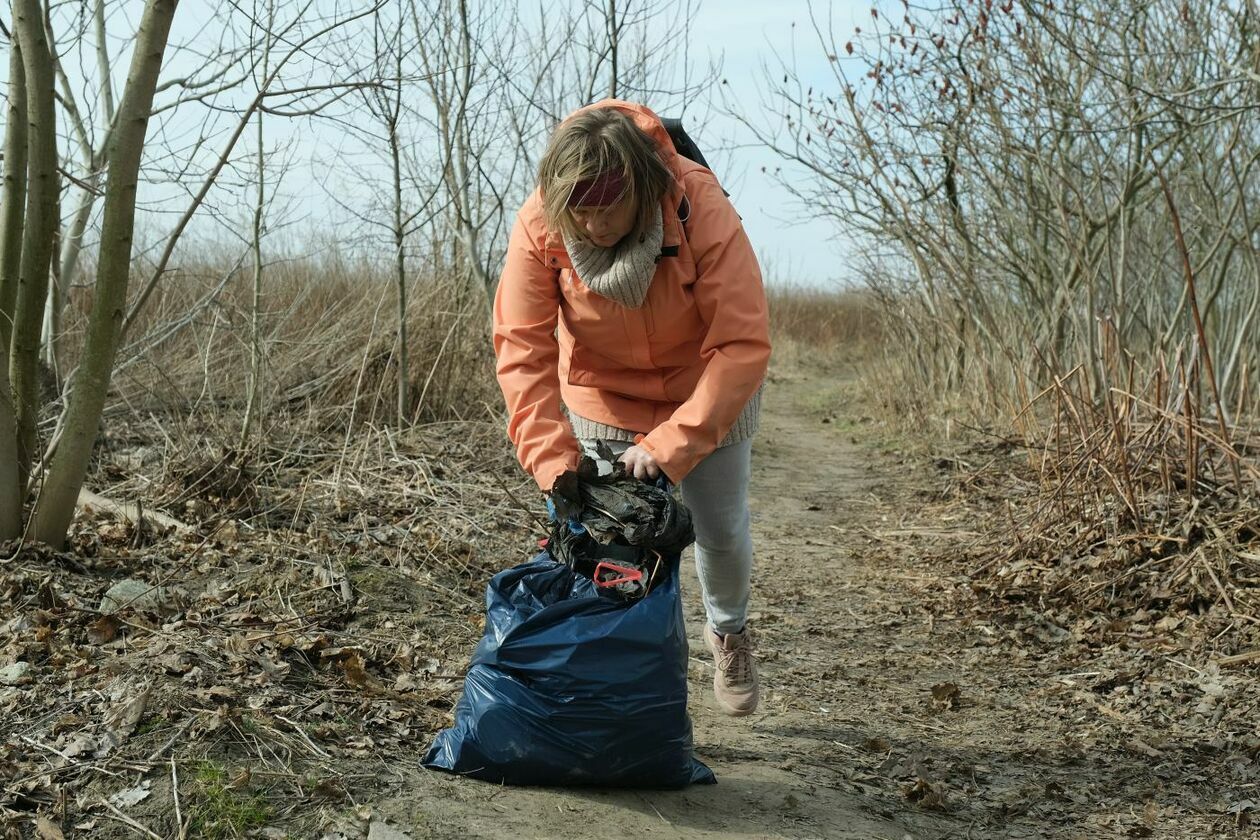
{"x": 900, "y": 699}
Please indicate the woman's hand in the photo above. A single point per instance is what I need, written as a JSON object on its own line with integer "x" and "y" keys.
{"x": 640, "y": 463}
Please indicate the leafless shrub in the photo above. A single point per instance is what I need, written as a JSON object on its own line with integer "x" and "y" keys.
{"x": 1054, "y": 206}
{"x": 999, "y": 162}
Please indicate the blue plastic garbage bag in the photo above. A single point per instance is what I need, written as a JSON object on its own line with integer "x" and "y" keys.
{"x": 570, "y": 687}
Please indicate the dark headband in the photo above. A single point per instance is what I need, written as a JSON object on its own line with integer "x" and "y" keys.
{"x": 600, "y": 191}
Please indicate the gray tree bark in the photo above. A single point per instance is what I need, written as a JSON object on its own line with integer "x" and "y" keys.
{"x": 400, "y": 262}
{"x": 55, "y": 507}
{"x": 93, "y": 158}
{"x": 12, "y": 207}
{"x": 40, "y": 230}
{"x": 11, "y": 487}
{"x": 254, "y": 387}
{"x": 11, "y": 224}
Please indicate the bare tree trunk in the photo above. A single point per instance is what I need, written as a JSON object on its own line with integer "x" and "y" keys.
{"x": 94, "y": 162}
{"x": 400, "y": 265}
{"x": 255, "y": 305}
{"x": 464, "y": 210}
{"x": 42, "y": 194}
{"x": 11, "y": 487}
{"x": 613, "y": 30}
{"x": 55, "y": 508}
{"x": 102, "y": 62}
{"x": 68, "y": 263}
{"x": 11, "y": 210}
{"x": 11, "y": 223}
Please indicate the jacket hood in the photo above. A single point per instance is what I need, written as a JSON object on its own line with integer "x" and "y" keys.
{"x": 647, "y": 121}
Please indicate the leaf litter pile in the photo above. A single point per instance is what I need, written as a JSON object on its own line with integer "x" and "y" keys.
{"x": 267, "y": 660}
{"x": 1117, "y": 554}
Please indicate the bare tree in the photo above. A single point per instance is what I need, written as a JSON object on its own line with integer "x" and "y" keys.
{"x": 56, "y": 504}
{"x": 999, "y": 163}
{"x": 390, "y": 110}
{"x": 254, "y": 386}
{"x": 408, "y": 202}
{"x": 39, "y": 227}
{"x": 11, "y": 224}
{"x": 632, "y": 49}
{"x": 92, "y": 162}
{"x": 458, "y": 94}
{"x": 276, "y": 95}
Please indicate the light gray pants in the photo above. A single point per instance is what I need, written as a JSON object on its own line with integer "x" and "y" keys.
{"x": 716, "y": 492}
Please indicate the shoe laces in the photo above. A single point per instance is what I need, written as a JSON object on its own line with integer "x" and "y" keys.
{"x": 736, "y": 663}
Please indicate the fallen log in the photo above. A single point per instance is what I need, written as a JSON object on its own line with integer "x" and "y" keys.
{"x": 131, "y": 511}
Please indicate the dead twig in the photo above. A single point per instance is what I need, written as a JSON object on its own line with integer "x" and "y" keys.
{"x": 123, "y": 818}
{"x": 1239, "y": 659}
{"x": 179, "y": 817}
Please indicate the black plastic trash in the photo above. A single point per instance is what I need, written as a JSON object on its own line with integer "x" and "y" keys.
{"x": 571, "y": 687}
{"x": 611, "y": 505}
{"x": 616, "y": 529}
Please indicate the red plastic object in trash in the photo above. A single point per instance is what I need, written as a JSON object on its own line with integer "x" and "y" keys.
{"x": 626, "y": 574}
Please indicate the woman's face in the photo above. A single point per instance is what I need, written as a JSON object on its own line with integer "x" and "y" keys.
{"x": 605, "y": 226}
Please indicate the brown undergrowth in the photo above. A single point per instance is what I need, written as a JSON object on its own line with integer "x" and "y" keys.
{"x": 259, "y": 660}
{"x": 1129, "y": 493}
{"x": 1115, "y": 536}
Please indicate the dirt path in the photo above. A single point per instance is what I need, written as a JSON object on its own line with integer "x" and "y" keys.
{"x": 826, "y": 625}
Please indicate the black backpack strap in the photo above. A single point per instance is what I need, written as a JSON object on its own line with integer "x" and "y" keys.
{"x": 683, "y": 144}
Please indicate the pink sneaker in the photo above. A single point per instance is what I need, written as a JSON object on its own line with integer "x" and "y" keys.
{"x": 735, "y": 683}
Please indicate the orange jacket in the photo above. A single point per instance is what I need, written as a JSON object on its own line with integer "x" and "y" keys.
{"x": 680, "y": 368}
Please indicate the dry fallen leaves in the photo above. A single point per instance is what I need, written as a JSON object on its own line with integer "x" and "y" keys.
{"x": 925, "y": 794}
{"x": 46, "y": 829}
{"x": 946, "y": 696}
{"x": 132, "y": 796}
{"x": 103, "y": 630}
{"x": 121, "y": 719}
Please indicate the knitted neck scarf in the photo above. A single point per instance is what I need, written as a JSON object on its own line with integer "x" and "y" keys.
{"x": 623, "y": 272}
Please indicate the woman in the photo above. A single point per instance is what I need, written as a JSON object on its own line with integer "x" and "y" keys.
{"x": 632, "y": 295}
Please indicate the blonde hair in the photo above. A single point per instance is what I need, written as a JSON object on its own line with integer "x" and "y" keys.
{"x": 589, "y": 145}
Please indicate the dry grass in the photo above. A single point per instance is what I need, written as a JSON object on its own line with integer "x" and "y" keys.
{"x": 811, "y": 325}
{"x": 330, "y": 345}
{"x": 330, "y": 452}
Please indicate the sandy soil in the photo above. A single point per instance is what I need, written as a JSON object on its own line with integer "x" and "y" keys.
{"x": 780, "y": 770}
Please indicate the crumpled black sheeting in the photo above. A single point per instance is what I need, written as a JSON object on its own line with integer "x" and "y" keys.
{"x": 618, "y": 510}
